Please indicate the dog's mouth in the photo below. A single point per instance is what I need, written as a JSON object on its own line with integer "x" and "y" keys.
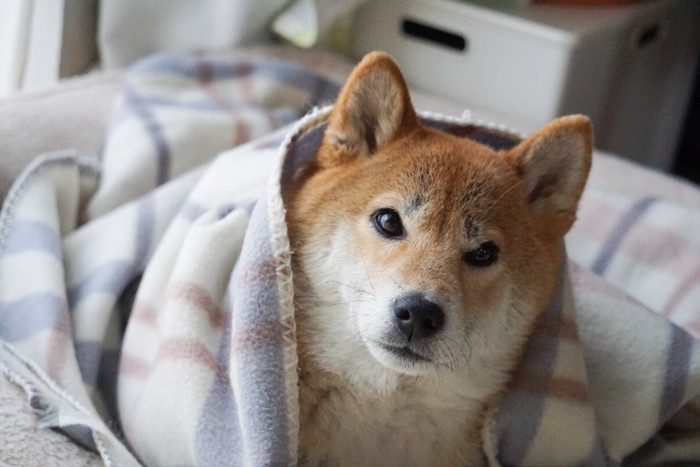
{"x": 405, "y": 353}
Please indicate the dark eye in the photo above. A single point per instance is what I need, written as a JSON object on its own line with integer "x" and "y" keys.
{"x": 484, "y": 255}
{"x": 388, "y": 223}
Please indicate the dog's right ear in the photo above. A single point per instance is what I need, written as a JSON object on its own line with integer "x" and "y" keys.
{"x": 373, "y": 109}
{"x": 554, "y": 163}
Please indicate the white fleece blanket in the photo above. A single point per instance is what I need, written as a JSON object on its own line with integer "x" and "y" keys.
{"x": 150, "y": 295}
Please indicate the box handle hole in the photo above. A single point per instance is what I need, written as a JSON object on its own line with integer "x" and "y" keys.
{"x": 422, "y": 31}
{"x": 648, "y": 36}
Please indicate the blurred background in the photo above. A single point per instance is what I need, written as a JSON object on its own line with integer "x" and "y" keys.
{"x": 630, "y": 65}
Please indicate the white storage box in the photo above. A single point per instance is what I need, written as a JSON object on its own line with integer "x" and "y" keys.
{"x": 630, "y": 68}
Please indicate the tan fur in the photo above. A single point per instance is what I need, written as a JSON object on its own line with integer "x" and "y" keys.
{"x": 359, "y": 405}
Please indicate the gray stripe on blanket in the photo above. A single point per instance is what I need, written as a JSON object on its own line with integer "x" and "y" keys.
{"x": 109, "y": 278}
{"x": 29, "y": 234}
{"x": 154, "y": 130}
{"x": 680, "y": 350}
{"x": 257, "y": 340}
{"x": 521, "y": 411}
{"x": 618, "y": 234}
{"x": 218, "y": 439}
{"x": 22, "y": 318}
{"x": 281, "y": 71}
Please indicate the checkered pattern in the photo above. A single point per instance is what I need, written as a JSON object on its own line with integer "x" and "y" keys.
{"x": 649, "y": 247}
{"x": 152, "y": 292}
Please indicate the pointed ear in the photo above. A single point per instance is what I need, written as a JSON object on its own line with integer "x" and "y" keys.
{"x": 554, "y": 163}
{"x": 373, "y": 109}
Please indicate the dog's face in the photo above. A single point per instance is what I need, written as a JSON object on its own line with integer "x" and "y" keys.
{"x": 423, "y": 251}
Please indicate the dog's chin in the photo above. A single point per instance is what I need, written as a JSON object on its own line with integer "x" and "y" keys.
{"x": 401, "y": 359}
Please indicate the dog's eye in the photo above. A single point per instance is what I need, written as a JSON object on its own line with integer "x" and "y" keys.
{"x": 485, "y": 255}
{"x": 388, "y": 223}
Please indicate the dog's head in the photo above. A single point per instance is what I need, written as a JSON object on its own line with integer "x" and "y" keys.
{"x": 421, "y": 250}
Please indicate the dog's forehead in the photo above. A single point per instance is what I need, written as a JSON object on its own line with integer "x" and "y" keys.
{"x": 465, "y": 182}
{"x": 462, "y": 170}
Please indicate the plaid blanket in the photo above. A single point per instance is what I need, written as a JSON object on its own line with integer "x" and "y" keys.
{"x": 146, "y": 299}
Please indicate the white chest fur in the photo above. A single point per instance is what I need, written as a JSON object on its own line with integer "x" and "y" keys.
{"x": 415, "y": 424}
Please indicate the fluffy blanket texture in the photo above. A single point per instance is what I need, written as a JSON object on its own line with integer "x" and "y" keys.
{"x": 146, "y": 300}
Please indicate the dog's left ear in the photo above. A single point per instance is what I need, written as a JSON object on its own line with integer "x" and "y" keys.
{"x": 554, "y": 163}
{"x": 373, "y": 109}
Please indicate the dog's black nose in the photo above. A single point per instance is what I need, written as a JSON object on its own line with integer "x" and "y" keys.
{"x": 416, "y": 316}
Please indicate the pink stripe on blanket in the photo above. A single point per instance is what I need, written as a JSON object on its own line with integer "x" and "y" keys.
{"x": 552, "y": 387}
{"x": 596, "y": 218}
{"x": 561, "y": 328}
{"x": 206, "y": 75}
{"x": 200, "y": 299}
{"x": 134, "y": 366}
{"x": 663, "y": 249}
{"x": 692, "y": 327}
{"x": 187, "y": 293}
{"x": 185, "y": 350}
{"x": 144, "y": 313}
{"x": 194, "y": 351}
{"x": 277, "y": 334}
{"x": 174, "y": 349}
{"x": 691, "y": 281}
{"x": 242, "y": 132}
{"x": 58, "y": 347}
{"x": 651, "y": 245}
{"x": 260, "y": 273}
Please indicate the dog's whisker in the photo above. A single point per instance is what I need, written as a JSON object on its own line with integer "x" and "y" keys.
{"x": 401, "y": 287}
{"x": 451, "y": 360}
{"x": 341, "y": 302}
{"x": 502, "y": 195}
{"x": 449, "y": 351}
{"x": 355, "y": 288}
{"x": 367, "y": 272}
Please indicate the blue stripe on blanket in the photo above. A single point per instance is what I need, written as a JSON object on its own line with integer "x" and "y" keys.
{"x": 618, "y": 234}
{"x": 29, "y": 234}
{"x": 257, "y": 339}
{"x": 144, "y": 230}
{"x": 89, "y": 359}
{"x": 154, "y": 130}
{"x": 520, "y": 412}
{"x": 109, "y": 278}
{"x": 96, "y": 362}
{"x": 113, "y": 277}
{"x": 191, "y": 211}
{"x": 218, "y": 439}
{"x": 205, "y": 71}
{"x": 301, "y": 151}
{"x": 99, "y": 369}
{"x": 680, "y": 351}
{"x": 33, "y": 313}
{"x": 106, "y": 383}
{"x": 495, "y": 139}
{"x": 82, "y": 434}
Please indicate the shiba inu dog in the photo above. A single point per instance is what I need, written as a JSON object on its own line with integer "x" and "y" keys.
{"x": 421, "y": 261}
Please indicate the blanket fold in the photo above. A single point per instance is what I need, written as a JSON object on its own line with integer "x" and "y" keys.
{"x": 151, "y": 293}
